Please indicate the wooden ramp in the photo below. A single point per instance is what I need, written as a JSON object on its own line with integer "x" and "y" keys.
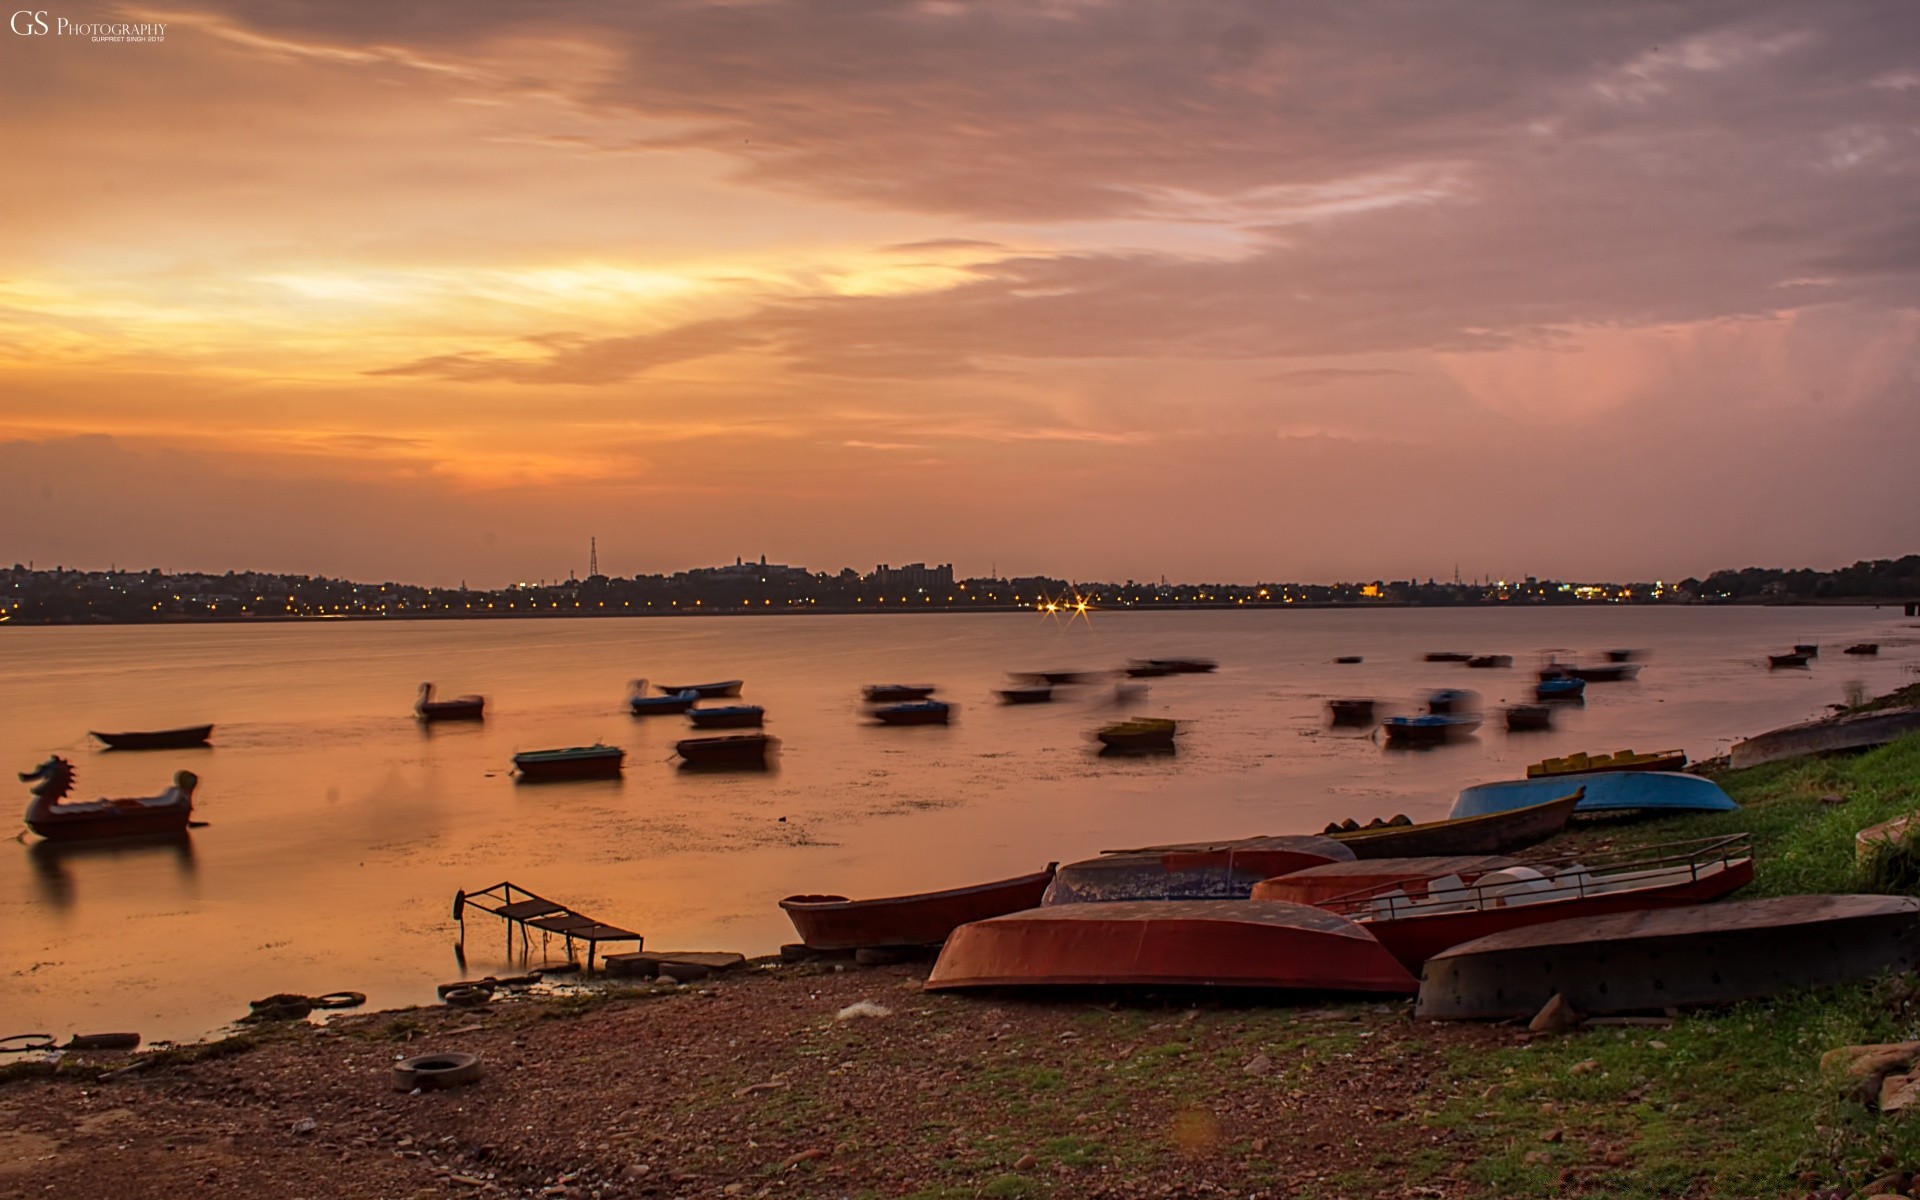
{"x": 522, "y": 911}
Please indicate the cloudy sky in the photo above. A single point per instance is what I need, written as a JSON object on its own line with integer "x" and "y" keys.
{"x": 1106, "y": 289}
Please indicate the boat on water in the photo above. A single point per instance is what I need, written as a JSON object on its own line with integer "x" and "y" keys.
{"x": 671, "y": 704}
{"x": 460, "y": 708}
{"x": 1528, "y": 717}
{"x": 1430, "y": 729}
{"x": 919, "y": 712}
{"x": 1623, "y": 655}
{"x": 1351, "y": 712}
{"x": 1421, "y": 915}
{"x": 1027, "y": 693}
{"x": 1140, "y": 669}
{"x": 1610, "y": 672}
{"x": 1795, "y": 659}
{"x": 896, "y": 693}
{"x": 1266, "y": 944}
{"x": 1139, "y": 734}
{"x": 55, "y": 818}
{"x": 728, "y": 716}
{"x": 1224, "y": 870}
{"x": 1347, "y": 660}
{"x": 1560, "y": 689}
{"x": 575, "y": 762}
{"x": 707, "y": 691}
{"x": 1058, "y": 678}
{"x": 1605, "y": 792}
{"x": 1582, "y": 763}
{"x": 1444, "y": 702}
{"x": 1312, "y": 885}
{"x": 827, "y": 922}
{"x": 160, "y": 739}
{"x": 1484, "y": 662}
{"x": 1862, "y": 648}
{"x": 1487, "y": 833}
{"x": 1810, "y": 649}
{"x": 726, "y": 750}
{"x": 1185, "y": 666}
{"x": 1652, "y": 960}
{"x": 1458, "y": 656}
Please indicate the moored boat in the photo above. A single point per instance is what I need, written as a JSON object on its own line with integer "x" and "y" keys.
{"x": 460, "y": 708}
{"x": 1446, "y": 702}
{"x": 1140, "y": 669}
{"x": 726, "y": 750}
{"x": 1351, "y": 712}
{"x": 919, "y": 712}
{"x": 575, "y": 762}
{"x": 1264, "y": 944}
{"x": 1458, "y": 656}
{"x": 896, "y": 693}
{"x": 1810, "y": 649}
{"x": 53, "y": 818}
{"x": 1186, "y": 666}
{"x": 1430, "y": 729}
{"x": 1490, "y": 661}
{"x": 671, "y": 704}
{"x": 1559, "y": 689}
{"x": 1329, "y": 881}
{"x": 1487, "y": 833}
{"x": 1058, "y": 678}
{"x": 1862, "y": 648}
{"x": 1142, "y": 733}
{"x": 159, "y": 739}
{"x": 1347, "y": 660}
{"x": 1029, "y": 693}
{"x": 707, "y": 691}
{"x": 1582, "y": 763}
{"x": 1605, "y": 791}
{"x": 728, "y": 716}
{"x": 828, "y": 922}
{"x": 1223, "y": 870}
{"x": 1527, "y": 717}
{"x": 1682, "y": 957}
{"x": 1611, "y": 672}
{"x": 1795, "y": 659}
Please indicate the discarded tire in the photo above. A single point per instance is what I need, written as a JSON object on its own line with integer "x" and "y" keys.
{"x": 467, "y": 997}
{"x": 282, "y": 1006}
{"x": 484, "y": 985}
{"x": 21, "y": 1043}
{"x": 339, "y": 1000}
{"x": 430, "y": 1071}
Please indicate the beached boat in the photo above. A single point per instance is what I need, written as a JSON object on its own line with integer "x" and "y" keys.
{"x": 1141, "y": 733}
{"x": 1699, "y": 954}
{"x": 727, "y": 750}
{"x": 1527, "y": 717}
{"x": 1223, "y": 870}
{"x": 706, "y": 691}
{"x": 1862, "y": 648}
{"x": 1795, "y": 659}
{"x": 1559, "y": 689}
{"x": 1028, "y": 693}
{"x": 728, "y": 716}
{"x": 1846, "y": 731}
{"x": 1263, "y": 944}
{"x": 1147, "y": 670}
{"x": 1329, "y": 881}
{"x": 925, "y": 919}
{"x": 460, "y": 708}
{"x": 1429, "y": 730}
{"x": 52, "y": 817}
{"x": 575, "y": 762}
{"x": 1583, "y": 763}
{"x": 1484, "y": 662}
{"x": 671, "y": 704}
{"x": 1488, "y": 833}
{"x": 1421, "y": 915}
{"x": 159, "y": 739}
{"x": 1351, "y": 712}
{"x": 1458, "y": 656}
{"x": 919, "y": 712}
{"x": 896, "y": 693}
{"x": 1606, "y": 791}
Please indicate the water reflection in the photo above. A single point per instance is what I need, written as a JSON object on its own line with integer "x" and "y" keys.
{"x": 52, "y": 862}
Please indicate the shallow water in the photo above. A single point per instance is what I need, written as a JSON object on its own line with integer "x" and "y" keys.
{"x": 339, "y": 827}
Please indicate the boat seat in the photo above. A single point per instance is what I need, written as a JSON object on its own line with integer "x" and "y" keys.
{"x": 1389, "y": 904}
{"x": 1448, "y": 893}
{"x": 1513, "y": 885}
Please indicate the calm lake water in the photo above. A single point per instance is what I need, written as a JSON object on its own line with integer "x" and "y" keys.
{"x": 340, "y": 827}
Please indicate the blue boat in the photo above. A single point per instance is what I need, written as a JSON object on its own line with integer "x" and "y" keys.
{"x": 1428, "y": 730}
{"x": 1607, "y": 791}
{"x": 1560, "y": 687}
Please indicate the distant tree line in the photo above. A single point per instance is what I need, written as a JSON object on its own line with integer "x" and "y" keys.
{"x": 1873, "y": 579}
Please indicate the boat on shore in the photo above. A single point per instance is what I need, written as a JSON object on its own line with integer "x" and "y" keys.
{"x": 1486, "y": 833}
{"x": 918, "y": 712}
{"x": 1528, "y": 717}
{"x": 728, "y": 716}
{"x": 1698, "y": 954}
{"x": 185, "y": 738}
{"x": 1223, "y": 870}
{"x": 1027, "y": 693}
{"x": 726, "y": 750}
{"x": 1847, "y": 731}
{"x": 828, "y": 922}
{"x": 1604, "y": 792}
{"x": 1582, "y": 763}
{"x": 896, "y": 693}
{"x": 460, "y": 708}
{"x": 1351, "y": 712}
{"x": 1329, "y": 881}
{"x": 1264, "y": 944}
{"x": 1560, "y": 689}
{"x": 1796, "y": 659}
{"x": 1483, "y": 662}
{"x": 707, "y": 691}
{"x": 53, "y": 817}
{"x": 1142, "y": 734}
{"x": 574, "y": 762}
{"x": 1431, "y": 729}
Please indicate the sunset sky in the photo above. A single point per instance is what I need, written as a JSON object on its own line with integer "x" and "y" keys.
{"x": 1103, "y": 289}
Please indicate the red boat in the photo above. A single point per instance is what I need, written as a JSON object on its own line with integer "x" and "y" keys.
{"x": 1225, "y": 870}
{"x": 730, "y": 750}
{"x": 1330, "y": 880}
{"x": 1417, "y": 918}
{"x": 95, "y": 820}
{"x": 837, "y": 923}
{"x": 460, "y": 708}
{"x": 1182, "y": 943}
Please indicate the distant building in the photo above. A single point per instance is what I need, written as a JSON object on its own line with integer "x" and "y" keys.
{"x": 914, "y": 577}
{"x": 746, "y": 572}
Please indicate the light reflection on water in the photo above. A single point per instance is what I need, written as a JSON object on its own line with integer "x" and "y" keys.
{"x": 340, "y": 827}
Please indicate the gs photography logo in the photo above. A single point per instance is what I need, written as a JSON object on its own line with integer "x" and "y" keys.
{"x": 31, "y": 23}
{"x": 35, "y": 22}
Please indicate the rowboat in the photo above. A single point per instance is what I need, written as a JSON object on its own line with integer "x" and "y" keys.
{"x": 920, "y": 712}
{"x": 1225, "y": 870}
{"x": 925, "y": 919}
{"x": 1030, "y": 693}
{"x": 1142, "y": 733}
{"x": 1612, "y": 672}
{"x": 1056, "y": 678}
{"x": 460, "y": 708}
{"x": 1846, "y": 731}
{"x": 1796, "y": 659}
{"x": 1699, "y": 954}
{"x": 575, "y": 762}
{"x": 1863, "y": 648}
{"x": 728, "y": 716}
{"x": 1147, "y": 670}
{"x": 1264, "y": 944}
{"x": 1523, "y": 717}
{"x": 1810, "y": 649}
{"x": 53, "y": 818}
{"x": 1559, "y": 688}
{"x": 1621, "y": 760}
{"x": 727, "y": 750}
{"x": 673, "y": 704}
{"x": 1448, "y": 656}
{"x": 895, "y": 693}
{"x": 1429, "y": 730}
{"x": 1606, "y": 791}
{"x": 1486, "y": 661}
{"x": 1185, "y": 666}
{"x": 1351, "y": 712}
{"x": 1329, "y": 881}
{"x": 1445, "y": 702}
{"x": 1421, "y": 915}
{"x": 1348, "y": 660}
{"x": 160, "y": 739}
{"x": 1488, "y": 833}
{"x": 707, "y": 691}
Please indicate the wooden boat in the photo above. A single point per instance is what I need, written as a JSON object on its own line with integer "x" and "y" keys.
{"x": 1029, "y": 693}
{"x": 1458, "y": 656}
{"x": 1351, "y": 712}
{"x": 1487, "y": 833}
{"x": 160, "y": 739}
{"x": 1429, "y": 730}
{"x": 1418, "y": 917}
{"x": 1524, "y": 717}
{"x": 1698, "y": 954}
{"x": 727, "y": 750}
{"x": 575, "y": 762}
{"x": 1846, "y": 731}
{"x": 1329, "y": 881}
{"x": 1446, "y": 702}
{"x": 1185, "y": 666}
{"x": 1796, "y": 659}
{"x": 1862, "y": 648}
{"x": 671, "y": 704}
{"x": 924, "y": 919}
{"x": 53, "y": 818}
{"x": 728, "y": 716}
{"x": 1347, "y": 660}
{"x": 1263, "y": 944}
{"x": 707, "y": 691}
{"x": 895, "y": 693}
{"x": 460, "y": 708}
{"x": 1141, "y": 733}
{"x": 1621, "y": 760}
{"x": 1486, "y": 661}
{"x": 920, "y": 712}
{"x": 1810, "y": 649}
{"x": 1606, "y": 791}
{"x": 1224, "y": 870}
{"x": 1559, "y": 689}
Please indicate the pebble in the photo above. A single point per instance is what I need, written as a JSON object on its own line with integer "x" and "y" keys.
{"x": 1259, "y": 1064}
{"x": 1551, "y": 1135}
{"x": 1026, "y": 1162}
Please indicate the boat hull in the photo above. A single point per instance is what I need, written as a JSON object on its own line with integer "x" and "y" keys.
{"x": 1606, "y": 791}
{"x": 1431, "y": 730}
{"x": 660, "y": 706}
{"x": 744, "y": 717}
{"x": 921, "y": 712}
{"x": 1263, "y": 944}
{"x": 162, "y": 739}
{"x": 435, "y": 711}
{"x": 732, "y": 750}
{"x": 896, "y": 693}
{"x": 533, "y": 769}
{"x": 1195, "y": 871}
{"x": 1041, "y": 694}
{"x": 1528, "y": 717}
{"x": 1673, "y": 958}
{"x": 1482, "y": 833}
{"x": 837, "y": 923}
{"x": 1312, "y": 885}
{"x": 101, "y": 827}
{"x": 1853, "y": 731}
{"x": 707, "y": 691}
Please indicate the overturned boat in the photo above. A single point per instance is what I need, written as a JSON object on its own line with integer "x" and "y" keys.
{"x": 1225, "y": 870}
{"x": 828, "y": 922}
{"x": 1605, "y": 792}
